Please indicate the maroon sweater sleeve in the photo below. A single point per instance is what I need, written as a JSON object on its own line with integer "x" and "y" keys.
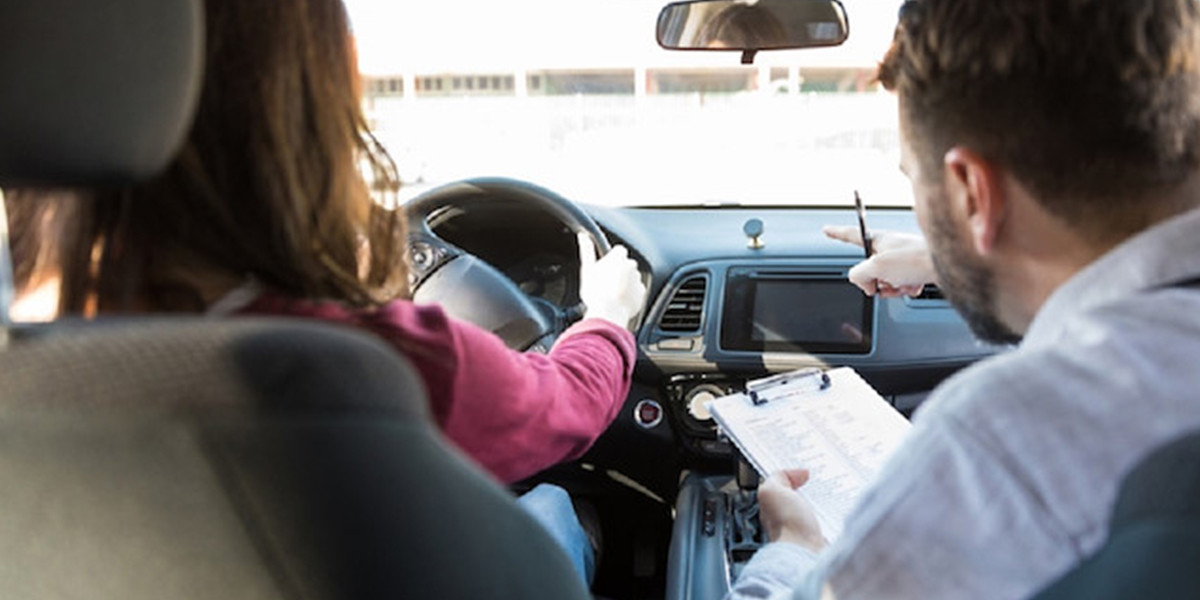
{"x": 514, "y": 413}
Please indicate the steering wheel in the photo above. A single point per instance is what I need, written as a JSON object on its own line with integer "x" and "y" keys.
{"x": 469, "y": 288}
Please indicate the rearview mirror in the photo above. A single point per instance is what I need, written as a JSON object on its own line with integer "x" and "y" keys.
{"x": 752, "y": 25}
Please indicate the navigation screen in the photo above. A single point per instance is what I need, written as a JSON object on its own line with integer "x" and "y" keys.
{"x": 796, "y": 315}
{"x": 807, "y": 311}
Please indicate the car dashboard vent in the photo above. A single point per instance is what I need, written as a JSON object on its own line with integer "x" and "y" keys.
{"x": 930, "y": 292}
{"x": 683, "y": 312}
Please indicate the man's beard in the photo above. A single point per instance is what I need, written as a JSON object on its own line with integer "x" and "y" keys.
{"x": 968, "y": 284}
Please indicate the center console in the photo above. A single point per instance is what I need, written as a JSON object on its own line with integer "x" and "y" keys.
{"x": 716, "y": 532}
{"x": 721, "y": 323}
{"x": 796, "y": 312}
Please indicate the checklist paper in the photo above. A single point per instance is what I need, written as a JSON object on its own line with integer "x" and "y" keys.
{"x": 842, "y": 433}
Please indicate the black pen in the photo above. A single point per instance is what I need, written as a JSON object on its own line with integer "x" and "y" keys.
{"x": 862, "y": 225}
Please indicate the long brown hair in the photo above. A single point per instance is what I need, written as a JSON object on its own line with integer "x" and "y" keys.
{"x": 269, "y": 184}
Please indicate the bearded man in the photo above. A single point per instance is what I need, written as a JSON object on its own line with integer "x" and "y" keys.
{"x": 1054, "y": 152}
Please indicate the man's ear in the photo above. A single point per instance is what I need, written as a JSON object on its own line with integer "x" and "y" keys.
{"x": 974, "y": 183}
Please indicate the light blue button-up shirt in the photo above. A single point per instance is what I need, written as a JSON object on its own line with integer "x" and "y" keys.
{"x": 1012, "y": 467}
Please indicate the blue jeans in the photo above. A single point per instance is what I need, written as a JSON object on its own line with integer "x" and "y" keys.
{"x": 551, "y": 506}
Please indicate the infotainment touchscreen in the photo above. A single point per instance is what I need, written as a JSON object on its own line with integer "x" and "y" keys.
{"x": 781, "y": 311}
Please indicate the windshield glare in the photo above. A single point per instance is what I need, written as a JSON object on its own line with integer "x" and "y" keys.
{"x": 578, "y": 97}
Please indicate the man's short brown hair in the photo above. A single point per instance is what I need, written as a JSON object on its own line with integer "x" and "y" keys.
{"x": 1094, "y": 105}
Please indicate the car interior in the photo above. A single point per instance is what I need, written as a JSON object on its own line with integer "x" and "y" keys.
{"x": 195, "y": 458}
{"x": 263, "y": 458}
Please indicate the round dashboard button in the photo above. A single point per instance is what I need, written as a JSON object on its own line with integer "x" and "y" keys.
{"x": 648, "y": 414}
{"x": 422, "y": 256}
{"x": 699, "y": 397}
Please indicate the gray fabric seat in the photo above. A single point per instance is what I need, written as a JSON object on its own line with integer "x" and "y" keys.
{"x": 200, "y": 458}
{"x": 191, "y": 458}
{"x": 1153, "y": 550}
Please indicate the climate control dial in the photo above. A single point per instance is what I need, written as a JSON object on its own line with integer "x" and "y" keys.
{"x": 697, "y": 400}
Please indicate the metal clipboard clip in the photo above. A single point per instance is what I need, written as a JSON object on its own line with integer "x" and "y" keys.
{"x": 811, "y": 379}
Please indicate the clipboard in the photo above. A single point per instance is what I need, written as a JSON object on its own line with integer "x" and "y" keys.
{"x": 831, "y": 422}
{"x": 764, "y": 390}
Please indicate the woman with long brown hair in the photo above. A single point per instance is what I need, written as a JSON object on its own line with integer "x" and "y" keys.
{"x": 266, "y": 211}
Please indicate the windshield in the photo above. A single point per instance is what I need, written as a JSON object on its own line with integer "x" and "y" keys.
{"x": 577, "y": 96}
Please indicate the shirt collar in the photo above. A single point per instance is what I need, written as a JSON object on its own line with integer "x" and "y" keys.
{"x": 1160, "y": 256}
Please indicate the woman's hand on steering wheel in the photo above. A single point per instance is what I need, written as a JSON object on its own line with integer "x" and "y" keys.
{"x": 610, "y": 288}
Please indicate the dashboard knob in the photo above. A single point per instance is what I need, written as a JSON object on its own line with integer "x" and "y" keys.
{"x": 698, "y": 397}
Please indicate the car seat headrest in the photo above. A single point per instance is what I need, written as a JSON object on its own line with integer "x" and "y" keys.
{"x": 95, "y": 92}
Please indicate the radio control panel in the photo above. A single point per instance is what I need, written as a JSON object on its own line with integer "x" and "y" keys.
{"x": 688, "y": 396}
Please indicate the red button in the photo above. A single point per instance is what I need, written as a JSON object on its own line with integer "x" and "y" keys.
{"x": 648, "y": 413}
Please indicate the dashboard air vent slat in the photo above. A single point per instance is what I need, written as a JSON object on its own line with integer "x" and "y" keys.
{"x": 684, "y": 310}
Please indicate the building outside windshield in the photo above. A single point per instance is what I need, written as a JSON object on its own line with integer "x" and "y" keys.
{"x": 577, "y": 96}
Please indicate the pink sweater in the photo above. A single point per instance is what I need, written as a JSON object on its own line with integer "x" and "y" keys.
{"x": 514, "y": 413}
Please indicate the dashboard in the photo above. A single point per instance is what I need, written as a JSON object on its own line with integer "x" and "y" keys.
{"x": 721, "y": 310}
{"x": 726, "y": 311}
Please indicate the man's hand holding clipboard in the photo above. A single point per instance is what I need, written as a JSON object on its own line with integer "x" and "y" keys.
{"x": 832, "y": 424}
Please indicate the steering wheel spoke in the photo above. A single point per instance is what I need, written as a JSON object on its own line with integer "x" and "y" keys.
{"x": 471, "y": 289}
{"x": 426, "y": 254}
